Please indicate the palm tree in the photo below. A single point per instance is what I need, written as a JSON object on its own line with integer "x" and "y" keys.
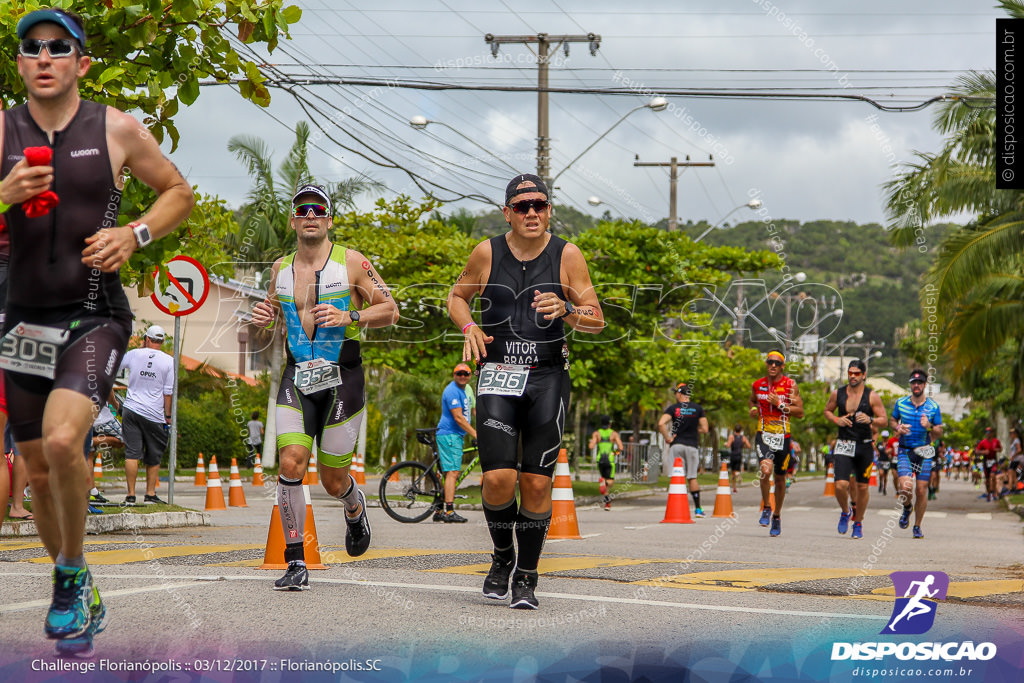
{"x": 266, "y": 233}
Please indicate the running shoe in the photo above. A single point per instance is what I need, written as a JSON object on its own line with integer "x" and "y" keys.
{"x": 776, "y": 527}
{"x": 603, "y": 488}
{"x": 357, "y": 536}
{"x": 917, "y": 532}
{"x": 844, "y": 522}
{"x": 608, "y": 506}
{"x": 98, "y": 498}
{"x": 858, "y": 531}
{"x": 129, "y": 501}
{"x": 523, "y": 584}
{"x": 766, "y": 517}
{"x": 153, "y": 500}
{"x": 295, "y": 579}
{"x": 73, "y": 594}
{"x": 81, "y": 646}
{"x": 905, "y": 518}
{"x": 439, "y": 515}
{"x": 454, "y": 517}
{"x": 496, "y": 583}
{"x": 93, "y": 510}
{"x": 699, "y": 513}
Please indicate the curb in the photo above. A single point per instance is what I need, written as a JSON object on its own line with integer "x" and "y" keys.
{"x": 124, "y": 521}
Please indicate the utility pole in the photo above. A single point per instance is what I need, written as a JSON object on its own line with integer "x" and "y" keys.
{"x": 546, "y": 44}
{"x": 673, "y": 180}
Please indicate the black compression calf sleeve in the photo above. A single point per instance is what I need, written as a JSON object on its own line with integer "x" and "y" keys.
{"x": 501, "y": 522}
{"x": 531, "y": 529}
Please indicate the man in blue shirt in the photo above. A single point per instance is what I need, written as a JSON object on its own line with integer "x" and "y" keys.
{"x": 918, "y": 422}
{"x": 452, "y": 427}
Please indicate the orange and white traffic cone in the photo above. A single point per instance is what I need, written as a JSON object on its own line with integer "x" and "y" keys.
{"x": 359, "y": 469}
{"x": 830, "y": 483}
{"x": 314, "y": 476}
{"x": 200, "y": 471}
{"x": 97, "y": 467}
{"x": 273, "y": 557}
{"x": 723, "y": 497}
{"x": 394, "y": 477}
{"x": 873, "y": 481}
{"x": 563, "y": 507}
{"x": 236, "y": 494}
{"x": 257, "y": 472}
{"x": 214, "y": 488}
{"x": 677, "y": 510}
{"x": 771, "y": 496}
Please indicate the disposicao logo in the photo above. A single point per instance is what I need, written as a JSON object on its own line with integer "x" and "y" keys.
{"x": 914, "y": 613}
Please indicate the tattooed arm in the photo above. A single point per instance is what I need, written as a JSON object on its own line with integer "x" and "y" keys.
{"x": 368, "y": 290}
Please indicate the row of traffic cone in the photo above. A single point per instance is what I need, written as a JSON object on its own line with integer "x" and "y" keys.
{"x": 215, "y": 489}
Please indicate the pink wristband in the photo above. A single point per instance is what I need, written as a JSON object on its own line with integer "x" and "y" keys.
{"x": 467, "y": 326}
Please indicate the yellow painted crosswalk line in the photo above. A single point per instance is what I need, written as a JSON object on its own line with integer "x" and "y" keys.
{"x": 10, "y": 546}
{"x": 750, "y": 579}
{"x": 972, "y": 589}
{"x": 141, "y": 554}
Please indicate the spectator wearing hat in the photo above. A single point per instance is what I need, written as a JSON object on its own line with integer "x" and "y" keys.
{"x": 988, "y": 450}
{"x": 451, "y": 431}
{"x": 146, "y": 411}
{"x": 918, "y": 421}
{"x": 688, "y": 423}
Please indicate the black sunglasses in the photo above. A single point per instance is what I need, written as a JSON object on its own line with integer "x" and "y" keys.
{"x": 524, "y": 206}
{"x": 917, "y": 381}
{"x": 56, "y": 47}
{"x": 774, "y": 362}
{"x": 462, "y": 373}
{"x": 301, "y": 210}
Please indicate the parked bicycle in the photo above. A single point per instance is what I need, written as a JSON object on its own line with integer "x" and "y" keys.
{"x": 411, "y": 491}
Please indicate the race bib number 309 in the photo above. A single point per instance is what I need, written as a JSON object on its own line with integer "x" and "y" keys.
{"x": 32, "y": 349}
{"x": 503, "y": 380}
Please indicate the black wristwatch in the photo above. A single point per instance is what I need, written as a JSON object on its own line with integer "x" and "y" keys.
{"x": 354, "y": 315}
{"x": 569, "y": 309}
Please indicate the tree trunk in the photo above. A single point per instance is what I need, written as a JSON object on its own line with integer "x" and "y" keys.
{"x": 269, "y": 457}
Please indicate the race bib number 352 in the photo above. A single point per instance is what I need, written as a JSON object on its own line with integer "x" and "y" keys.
{"x": 32, "y": 349}
{"x": 316, "y": 375}
{"x": 503, "y": 380}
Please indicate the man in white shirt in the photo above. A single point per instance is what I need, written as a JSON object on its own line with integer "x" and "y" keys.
{"x": 146, "y": 411}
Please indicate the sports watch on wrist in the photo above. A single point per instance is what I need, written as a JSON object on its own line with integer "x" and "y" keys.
{"x": 142, "y": 234}
{"x": 569, "y": 309}
{"x": 354, "y": 315}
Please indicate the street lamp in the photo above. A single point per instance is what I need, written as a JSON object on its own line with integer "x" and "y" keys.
{"x": 753, "y": 205}
{"x": 656, "y": 104}
{"x": 420, "y": 122}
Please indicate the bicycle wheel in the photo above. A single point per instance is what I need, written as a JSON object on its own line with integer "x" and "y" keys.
{"x": 413, "y": 494}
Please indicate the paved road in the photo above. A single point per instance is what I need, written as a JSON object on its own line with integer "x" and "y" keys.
{"x": 717, "y": 595}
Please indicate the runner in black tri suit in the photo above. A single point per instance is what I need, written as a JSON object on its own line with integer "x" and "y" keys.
{"x": 532, "y": 285}
{"x": 854, "y": 408}
{"x": 68, "y": 320}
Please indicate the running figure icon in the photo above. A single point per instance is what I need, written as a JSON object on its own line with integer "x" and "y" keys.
{"x": 916, "y": 605}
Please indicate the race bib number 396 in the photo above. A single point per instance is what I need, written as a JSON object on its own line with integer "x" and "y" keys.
{"x": 503, "y": 380}
{"x": 32, "y": 349}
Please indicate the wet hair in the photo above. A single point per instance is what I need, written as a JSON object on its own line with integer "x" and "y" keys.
{"x": 859, "y": 364}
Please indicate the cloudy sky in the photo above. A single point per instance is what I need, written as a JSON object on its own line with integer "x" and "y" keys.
{"x": 807, "y": 158}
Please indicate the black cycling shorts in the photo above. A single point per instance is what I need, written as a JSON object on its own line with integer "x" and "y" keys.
{"x": 87, "y": 363}
{"x": 780, "y": 458}
{"x": 524, "y": 430}
{"x": 735, "y": 462}
{"x": 859, "y": 464}
{"x": 331, "y": 416}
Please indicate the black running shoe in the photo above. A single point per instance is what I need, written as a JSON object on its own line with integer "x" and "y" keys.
{"x": 153, "y": 500}
{"x": 129, "y": 501}
{"x": 523, "y": 584}
{"x": 454, "y": 517}
{"x": 357, "y": 537}
{"x": 295, "y": 579}
{"x": 496, "y": 583}
{"x": 439, "y": 515}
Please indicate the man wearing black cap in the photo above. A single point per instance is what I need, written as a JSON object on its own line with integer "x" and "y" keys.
{"x": 324, "y": 293}
{"x": 531, "y": 284}
{"x": 855, "y": 409}
{"x": 688, "y": 423}
{"x": 64, "y": 289}
{"x": 918, "y": 421}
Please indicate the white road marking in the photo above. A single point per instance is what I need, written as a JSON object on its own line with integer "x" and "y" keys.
{"x": 559, "y": 540}
{"x": 984, "y": 516}
{"x": 37, "y": 604}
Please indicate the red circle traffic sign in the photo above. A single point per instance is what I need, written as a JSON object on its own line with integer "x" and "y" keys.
{"x": 189, "y": 286}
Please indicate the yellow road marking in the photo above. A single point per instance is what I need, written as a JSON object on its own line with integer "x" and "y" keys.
{"x": 750, "y": 579}
{"x": 972, "y": 589}
{"x": 8, "y": 546}
{"x": 139, "y": 554}
{"x": 329, "y": 556}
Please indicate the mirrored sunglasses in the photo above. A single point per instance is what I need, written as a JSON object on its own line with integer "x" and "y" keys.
{"x": 524, "y": 206}
{"x": 56, "y": 47}
{"x": 462, "y": 373}
{"x": 302, "y": 210}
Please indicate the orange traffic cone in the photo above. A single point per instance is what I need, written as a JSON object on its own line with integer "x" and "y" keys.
{"x": 677, "y": 511}
{"x": 314, "y": 476}
{"x": 873, "y": 482}
{"x": 200, "y": 472}
{"x": 723, "y": 497}
{"x": 830, "y": 483}
{"x": 97, "y": 467}
{"x": 273, "y": 558}
{"x": 214, "y": 488}
{"x": 359, "y": 469}
{"x": 563, "y": 508}
{"x": 236, "y": 494}
{"x": 394, "y": 477}
{"x": 257, "y": 472}
{"x": 771, "y": 496}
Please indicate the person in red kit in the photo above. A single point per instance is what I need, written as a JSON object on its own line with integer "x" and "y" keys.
{"x": 989, "y": 449}
{"x": 64, "y": 291}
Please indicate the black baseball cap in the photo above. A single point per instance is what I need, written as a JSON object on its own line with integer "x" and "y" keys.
{"x": 918, "y": 376}
{"x": 684, "y": 388}
{"x": 315, "y": 190}
{"x": 69, "y": 23}
{"x": 513, "y": 189}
